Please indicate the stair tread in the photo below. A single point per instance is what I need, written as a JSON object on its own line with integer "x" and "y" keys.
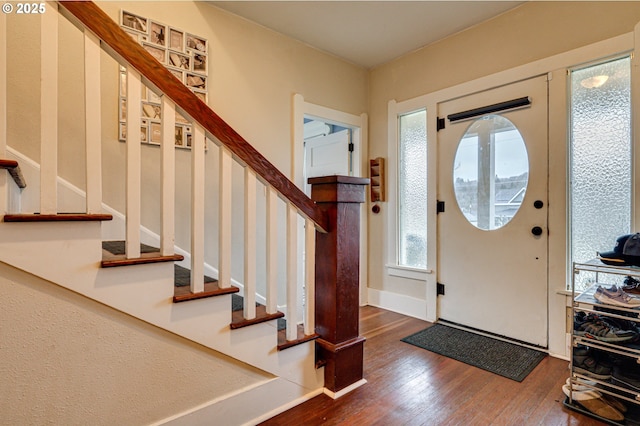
{"x": 238, "y": 320}
{"x": 283, "y": 343}
{"x": 182, "y": 291}
{"x": 59, "y": 217}
{"x": 113, "y": 254}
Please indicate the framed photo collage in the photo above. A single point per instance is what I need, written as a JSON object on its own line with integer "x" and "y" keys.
{"x": 184, "y": 55}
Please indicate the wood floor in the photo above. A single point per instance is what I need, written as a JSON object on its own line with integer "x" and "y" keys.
{"x": 411, "y": 386}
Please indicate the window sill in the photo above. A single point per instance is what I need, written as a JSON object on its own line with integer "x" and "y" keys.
{"x": 411, "y": 273}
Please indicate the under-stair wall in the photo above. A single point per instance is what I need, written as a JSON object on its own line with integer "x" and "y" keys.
{"x": 70, "y": 255}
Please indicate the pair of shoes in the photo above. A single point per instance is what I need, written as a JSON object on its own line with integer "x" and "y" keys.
{"x": 627, "y": 378}
{"x": 592, "y": 401}
{"x": 594, "y": 327}
{"x": 585, "y": 362}
{"x": 631, "y": 285}
{"x": 586, "y": 385}
{"x": 616, "y": 297}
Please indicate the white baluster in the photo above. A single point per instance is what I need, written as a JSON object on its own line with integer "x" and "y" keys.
{"x": 310, "y": 276}
{"x": 197, "y": 210}
{"x": 224, "y": 231}
{"x": 93, "y": 124}
{"x": 249, "y": 243}
{"x": 133, "y": 191}
{"x": 49, "y": 110}
{"x": 4, "y": 192}
{"x": 292, "y": 272}
{"x": 272, "y": 251}
{"x": 168, "y": 178}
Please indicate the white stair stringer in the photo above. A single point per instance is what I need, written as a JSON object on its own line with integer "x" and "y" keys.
{"x": 69, "y": 254}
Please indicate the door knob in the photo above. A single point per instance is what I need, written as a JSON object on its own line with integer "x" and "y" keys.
{"x": 536, "y": 230}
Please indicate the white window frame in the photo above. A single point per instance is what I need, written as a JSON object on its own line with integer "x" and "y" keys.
{"x": 393, "y": 267}
{"x": 635, "y": 86}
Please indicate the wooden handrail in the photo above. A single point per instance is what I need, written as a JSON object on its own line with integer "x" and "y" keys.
{"x": 14, "y": 170}
{"x": 86, "y": 14}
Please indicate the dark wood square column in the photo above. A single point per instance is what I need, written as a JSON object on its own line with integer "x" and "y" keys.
{"x": 340, "y": 347}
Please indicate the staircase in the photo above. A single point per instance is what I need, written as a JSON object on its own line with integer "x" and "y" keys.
{"x": 68, "y": 236}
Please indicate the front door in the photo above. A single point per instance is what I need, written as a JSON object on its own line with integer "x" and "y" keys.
{"x": 492, "y": 234}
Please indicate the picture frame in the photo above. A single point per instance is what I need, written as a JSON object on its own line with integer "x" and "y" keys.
{"x": 122, "y": 132}
{"x": 153, "y": 97}
{"x": 159, "y": 54}
{"x": 151, "y": 111}
{"x": 157, "y": 33}
{"x": 134, "y": 22}
{"x": 155, "y": 133}
{"x": 123, "y": 84}
{"x": 176, "y": 40}
{"x": 179, "y": 136}
{"x": 180, "y": 119}
{"x": 196, "y": 43}
{"x": 200, "y": 63}
{"x": 196, "y": 81}
{"x": 179, "y": 60}
{"x": 184, "y": 55}
{"x": 144, "y": 132}
{"x": 123, "y": 110}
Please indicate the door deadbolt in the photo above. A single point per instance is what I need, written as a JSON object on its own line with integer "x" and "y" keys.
{"x": 538, "y": 204}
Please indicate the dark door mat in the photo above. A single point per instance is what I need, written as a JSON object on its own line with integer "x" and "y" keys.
{"x": 505, "y": 359}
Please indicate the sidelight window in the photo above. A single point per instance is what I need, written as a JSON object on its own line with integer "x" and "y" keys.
{"x": 600, "y": 159}
{"x": 412, "y": 190}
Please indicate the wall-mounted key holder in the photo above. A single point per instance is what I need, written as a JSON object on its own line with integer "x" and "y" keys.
{"x": 377, "y": 179}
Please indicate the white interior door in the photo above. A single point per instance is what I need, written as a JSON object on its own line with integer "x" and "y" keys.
{"x": 327, "y": 155}
{"x": 492, "y": 235}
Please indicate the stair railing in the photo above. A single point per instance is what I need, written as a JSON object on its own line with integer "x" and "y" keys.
{"x": 331, "y": 221}
{"x": 100, "y": 32}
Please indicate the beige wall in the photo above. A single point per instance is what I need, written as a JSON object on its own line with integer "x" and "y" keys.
{"x": 253, "y": 75}
{"x": 66, "y": 359}
{"x": 533, "y": 31}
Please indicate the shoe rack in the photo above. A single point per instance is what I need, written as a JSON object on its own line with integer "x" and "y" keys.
{"x": 608, "y": 386}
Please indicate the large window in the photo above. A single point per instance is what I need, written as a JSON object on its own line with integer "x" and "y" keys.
{"x": 600, "y": 159}
{"x": 412, "y": 190}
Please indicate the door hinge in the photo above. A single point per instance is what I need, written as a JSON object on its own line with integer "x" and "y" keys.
{"x": 351, "y": 147}
{"x": 439, "y": 124}
{"x": 439, "y": 289}
{"x": 439, "y": 207}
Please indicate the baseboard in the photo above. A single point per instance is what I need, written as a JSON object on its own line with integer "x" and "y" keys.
{"x": 248, "y": 406}
{"x": 343, "y": 392}
{"x": 400, "y": 303}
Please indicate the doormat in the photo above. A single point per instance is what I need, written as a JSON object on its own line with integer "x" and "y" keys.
{"x": 505, "y": 359}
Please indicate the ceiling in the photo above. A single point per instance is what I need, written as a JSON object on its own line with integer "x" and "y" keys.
{"x": 367, "y": 33}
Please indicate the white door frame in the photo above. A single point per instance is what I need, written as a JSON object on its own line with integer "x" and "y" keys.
{"x": 359, "y": 125}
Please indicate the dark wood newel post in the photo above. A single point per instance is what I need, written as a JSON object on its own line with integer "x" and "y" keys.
{"x": 340, "y": 347}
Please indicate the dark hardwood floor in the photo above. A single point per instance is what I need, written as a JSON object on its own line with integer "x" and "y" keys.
{"x": 411, "y": 386}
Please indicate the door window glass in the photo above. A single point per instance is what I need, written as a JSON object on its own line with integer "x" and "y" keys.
{"x": 490, "y": 172}
{"x": 412, "y": 190}
{"x": 600, "y": 160}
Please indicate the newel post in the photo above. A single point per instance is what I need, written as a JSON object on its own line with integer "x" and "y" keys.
{"x": 340, "y": 347}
